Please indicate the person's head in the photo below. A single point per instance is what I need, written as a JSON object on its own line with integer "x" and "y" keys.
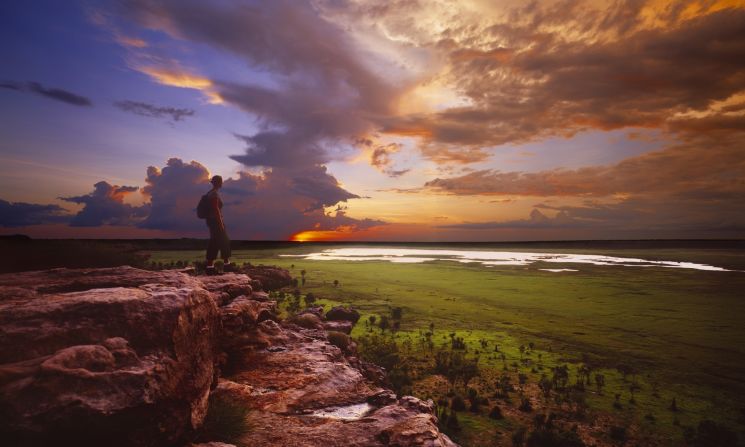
{"x": 216, "y": 182}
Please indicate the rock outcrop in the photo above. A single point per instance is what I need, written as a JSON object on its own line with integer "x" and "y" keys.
{"x": 119, "y": 356}
{"x": 341, "y": 313}
{"x": 303, "y": 391}
{"x": 122, "y": 356}
{"x": 270, "y": 278}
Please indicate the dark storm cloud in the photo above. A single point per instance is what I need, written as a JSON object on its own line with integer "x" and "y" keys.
{"x": 19, "y": 214}
{"x": 315, "y": 183}
{"x": 153, "y": 111}
{"x": 274, "y": 205}
{"x": 326, "y": 96}
{"x": 105, "y": 206}
{"x": 174, "y": 192}
{"x": 56, "y": 94}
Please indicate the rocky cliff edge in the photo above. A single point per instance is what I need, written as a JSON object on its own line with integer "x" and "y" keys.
{"x": 123, "y": 356}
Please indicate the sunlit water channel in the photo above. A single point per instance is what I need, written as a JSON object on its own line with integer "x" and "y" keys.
{"x": 490, "y": 258}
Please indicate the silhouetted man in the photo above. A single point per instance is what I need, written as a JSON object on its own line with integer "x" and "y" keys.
{"x": 219, "y": 241}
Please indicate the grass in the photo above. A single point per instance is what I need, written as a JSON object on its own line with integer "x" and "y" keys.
{"x": 682, "y": 330}
{"x": 225, "y": 422}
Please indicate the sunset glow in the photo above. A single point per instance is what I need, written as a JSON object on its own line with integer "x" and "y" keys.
{"x": 432, "y": 120}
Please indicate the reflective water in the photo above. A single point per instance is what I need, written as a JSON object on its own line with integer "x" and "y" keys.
{"x": 345, "y": 413}
{"x": 489, "y": 258}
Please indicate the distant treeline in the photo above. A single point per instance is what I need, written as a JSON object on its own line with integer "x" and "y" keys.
{"x": 22, "y": 254}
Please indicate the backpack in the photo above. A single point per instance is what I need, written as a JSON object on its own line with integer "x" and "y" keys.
{"x": 203, "y": 208}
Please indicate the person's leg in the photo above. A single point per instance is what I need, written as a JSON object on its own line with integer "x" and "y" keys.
{"x": 212, "y": 248}
{"x": 225, "y": 252}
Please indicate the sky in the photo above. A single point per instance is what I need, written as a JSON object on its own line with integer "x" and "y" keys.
{"x": 405, "y": 120}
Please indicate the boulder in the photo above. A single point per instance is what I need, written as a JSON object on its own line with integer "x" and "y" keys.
{"x": 270, "y": 278}
{"x": 115, "y": 356}
{"x": 227, "y": 286}
{"x": 308, "y": 321}
{"x": 339, "y": 326}
{"x": 341, "y": 313}
{"x": 240, "y": 315}
{"x": 315, "y": 310}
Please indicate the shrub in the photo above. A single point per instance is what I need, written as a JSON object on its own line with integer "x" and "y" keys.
{"x": 618, "y": 433}
{"x": 225, "y": 422}
{"x": 384, "y": 323}
{"x": 475, "y": 406}
{"x": 457, "y": 403}
{"x": 310, "y": 299}
{"x": 396, "y": 313}
{"x": 379, "y": 350}
{"x": 518, "y": 437}
{"x": 339, "y": 339}
{"x": 711, "y": 434}
{"x": 452, "y": 422}
{"x": 553, "y": 438}
{"x": 496, "y": 413}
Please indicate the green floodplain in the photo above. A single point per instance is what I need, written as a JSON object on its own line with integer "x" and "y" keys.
{"x": 668, "y": 343}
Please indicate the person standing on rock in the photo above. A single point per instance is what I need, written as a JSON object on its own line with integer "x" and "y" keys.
{"x": 210, "y": 208}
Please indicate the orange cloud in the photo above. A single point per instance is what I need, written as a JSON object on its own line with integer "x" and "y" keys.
{"x": 183, "y": 79}
{"x": 132, "y": 42}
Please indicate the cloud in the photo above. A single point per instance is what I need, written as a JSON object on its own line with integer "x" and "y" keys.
{"x": 273, "y": 205}
{"x": 536, "y": 219}
{"x": 323, "y": 96}
{"x": 491, "y": 74}
{"x": 692, "y": 189}
{"x": 381, "y": 155}
{"x": 133, "y": 42}
{"x": 56, "y": 94}
{"x": 701, "y": 166}
{"x": 20, "y": 214}
{"x": 153, "y": 111}
{"x": 174, "y": 192}
{"x": 173, "y": 75}
{"x": 542, "y": 69}
{"x": 105, "y": 206}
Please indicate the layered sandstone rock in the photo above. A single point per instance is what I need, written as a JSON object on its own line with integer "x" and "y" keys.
{"x": 303, "y": 391}
{"x": 269, "y": 278}
{"x": 122, "y": 356}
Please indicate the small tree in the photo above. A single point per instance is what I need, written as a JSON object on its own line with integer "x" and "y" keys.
{"x": 310, "y": 298}
{"x": 384, "y": 323}
{"x": 599, "y": 382}
{"x": 518, "y": 437}
{"x": 396, "y": 313}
